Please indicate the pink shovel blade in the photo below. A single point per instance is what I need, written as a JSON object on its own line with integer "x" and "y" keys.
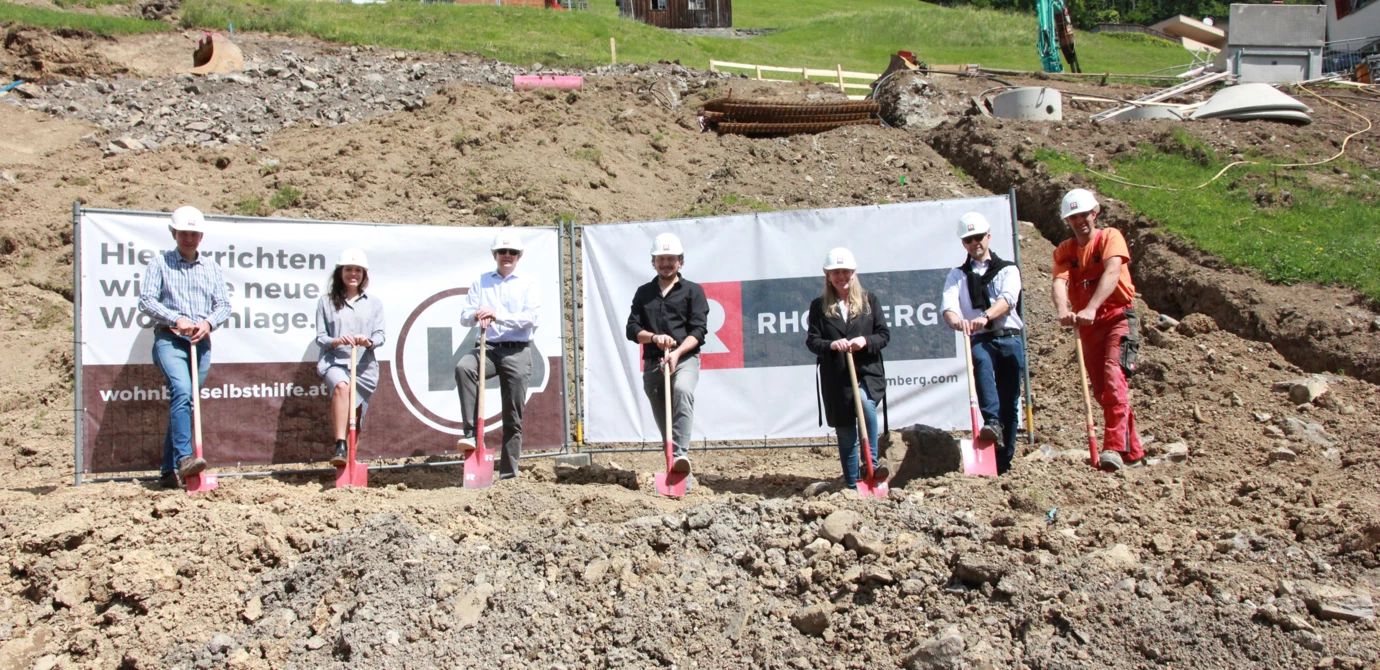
{"x": 873, "y": 488}
{"x": 354, "y": 474}
{"x": 671, "y": 484}
{"x": 979, "y": 457}
{"x": 479, "y": 468}
{"x": 201, "y": 483}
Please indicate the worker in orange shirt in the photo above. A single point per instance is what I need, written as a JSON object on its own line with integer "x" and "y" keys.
{"x": 1092, "y": 271}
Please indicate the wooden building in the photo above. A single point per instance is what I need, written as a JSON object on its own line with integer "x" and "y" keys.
{"x": 679, "y": 13}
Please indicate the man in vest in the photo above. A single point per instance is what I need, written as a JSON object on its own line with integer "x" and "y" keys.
{"x": 980, "y": 299}
{"x": 1093, "y": 291}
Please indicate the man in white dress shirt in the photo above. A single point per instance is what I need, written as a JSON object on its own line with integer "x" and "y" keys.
{"x": 505, "y": 302}
{"x": 980, "y": 298}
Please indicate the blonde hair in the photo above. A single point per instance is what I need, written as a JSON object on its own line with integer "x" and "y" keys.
{"x": 857, "y": 298}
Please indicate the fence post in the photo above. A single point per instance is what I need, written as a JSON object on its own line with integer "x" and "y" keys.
{"x": 840, "y": 71}
{"x": 613, "y": 51}
{"x": 79, "y": 412}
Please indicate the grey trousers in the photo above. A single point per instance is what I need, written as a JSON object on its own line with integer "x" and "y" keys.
{"x": 513, "y": 368}
{"x": 683, "y": 382}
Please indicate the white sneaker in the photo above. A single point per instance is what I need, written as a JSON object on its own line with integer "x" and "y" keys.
{"x": 465, "y": 445}
{"x": 681, "y": 464}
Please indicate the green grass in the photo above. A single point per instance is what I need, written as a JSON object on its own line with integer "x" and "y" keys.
{"x": 860, "y": 35}
{"x": 89, "y": 4}
{"x": 101, "y": 25}
{"x": 730, "y": 203}
{"x": 1305, "y": 224}
{"x": 286, "y": 196}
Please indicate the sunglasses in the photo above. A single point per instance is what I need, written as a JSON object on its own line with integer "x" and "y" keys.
{"x": 508, "y": 252}
{"x": 973, "y": 240}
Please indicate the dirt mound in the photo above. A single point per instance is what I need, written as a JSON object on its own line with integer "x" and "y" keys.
{"x": 1321, "y": 329}
{"x": 49, "y": 56}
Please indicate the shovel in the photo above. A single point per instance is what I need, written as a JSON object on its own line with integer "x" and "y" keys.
{"x": 871, "y": 486}
{"x": 479, "y": 463}
{"x": 200, "y": 482}
{"x": 984, "y": 461}
{"x": 353, "y": 474}
{"x": 669, "y": 483}
{"x": 1087, "y": 404}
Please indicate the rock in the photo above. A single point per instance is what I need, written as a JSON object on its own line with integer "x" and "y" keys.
{"x": 813, "y": 620}
{"x": 929, "y": 452}
{"x": 254, "y": 609}
{"x": 1336, "y": 603}
{"x": 1305, "y": 391}
{"x": 308, "y": 85}
{"x": 72, "y": 591}
{"x": 817, "y": 489}
{"x": 1282, "y": 454}
{"x": 838, "y": 525}
{"x": 941, "y": 652}
{"x": 864, "y": 546}
{"x": 1275, "y": 432}
{"x": 50, "y": 661}
{"x": 973, "y": 571}
{"x": 910, "y": 102}
{"x": 1312, "y": 433}
{"x": 1261, "y": 417}
{"x": 470, "y": 607}
{"x": 1286, "y": 622}
{"x": 220, "y": 643}
{"x": 391, "y": 638}
{"x": 1194, "y": 325}
{"x": 877, "y": 574}
{"x": 316, "y": 641}
{"x": 1118, "y": 556}
{"x": 65, "y": 534}
{"x": 595, "y": 571}
{"x": 820, "y": 545}
{"x": 1176, "y": 452}
{"x": 238, "y": 658}
{"x": 1166, "y": 322}
{"x": 198, "y": 127}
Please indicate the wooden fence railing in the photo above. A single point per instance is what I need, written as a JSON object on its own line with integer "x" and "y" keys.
{"x": 837, "y": 77}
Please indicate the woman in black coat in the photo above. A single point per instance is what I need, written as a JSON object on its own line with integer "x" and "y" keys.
{"x": 847, "y": 318}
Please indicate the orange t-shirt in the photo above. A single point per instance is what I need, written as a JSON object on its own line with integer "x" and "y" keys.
{"x": 1082, "y": 267}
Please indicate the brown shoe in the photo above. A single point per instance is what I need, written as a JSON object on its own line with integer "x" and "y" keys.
{"x": 190, "y": 466}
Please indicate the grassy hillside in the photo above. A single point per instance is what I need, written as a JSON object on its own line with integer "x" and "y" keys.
{"x": 860, "y": 34}
{"x": 101, "y": 25}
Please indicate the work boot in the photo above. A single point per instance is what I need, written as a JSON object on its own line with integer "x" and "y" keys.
{"x": 1109, "y": 461}
{"x": 190, "y": 465}
{"x": 880, "y": 472}
{"x": 990, "y": 432}
{"x": 342, "y": 454}
{"x": 680, "y": 464}
{"x": 169, "y": 481}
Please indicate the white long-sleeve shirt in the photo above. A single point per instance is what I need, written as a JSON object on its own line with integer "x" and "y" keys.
{"x": 1006, "y": 285}
{"x": 515, "y": 300}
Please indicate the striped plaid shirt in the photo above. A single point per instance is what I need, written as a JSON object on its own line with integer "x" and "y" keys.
{"x": 174, "y": 288}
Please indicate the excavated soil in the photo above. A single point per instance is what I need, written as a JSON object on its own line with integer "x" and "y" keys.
{"x": 1261, "y": 548}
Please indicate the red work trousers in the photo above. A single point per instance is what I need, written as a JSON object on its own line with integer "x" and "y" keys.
{"x": 1101, "y": 343}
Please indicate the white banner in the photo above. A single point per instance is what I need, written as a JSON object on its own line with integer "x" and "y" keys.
{"x": 264, "y": 402}
{"x": 760, "y": 272}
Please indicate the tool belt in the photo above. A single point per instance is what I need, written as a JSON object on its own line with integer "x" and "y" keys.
{"x": 1130, "y": 344}
{"x": 505, "y": 345}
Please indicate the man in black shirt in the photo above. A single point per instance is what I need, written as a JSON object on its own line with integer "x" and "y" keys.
{"x": 670, "y": 318}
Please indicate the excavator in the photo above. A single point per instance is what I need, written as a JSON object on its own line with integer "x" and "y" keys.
{"x": 1055, "y": 28}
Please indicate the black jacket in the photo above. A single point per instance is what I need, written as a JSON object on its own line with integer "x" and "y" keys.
{"x": 684, "y": 312}
{"x": 835, "y": 388}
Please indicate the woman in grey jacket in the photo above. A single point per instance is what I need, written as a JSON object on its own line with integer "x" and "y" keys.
{"x": 348, "y": 316}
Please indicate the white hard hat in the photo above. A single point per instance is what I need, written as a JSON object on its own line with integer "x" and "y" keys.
{"x": 667, "y": 244}
{"x": 1077, "y": 201}
{"x": 839, "y": 258}
{"x": 188, "y": 218}
{"x": 506, "y": 239}
{"x": 353, "y": 257}
{"x": 973, "y": 224}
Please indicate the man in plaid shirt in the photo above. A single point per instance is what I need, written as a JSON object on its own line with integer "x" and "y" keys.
{"x": 185, "y": 294}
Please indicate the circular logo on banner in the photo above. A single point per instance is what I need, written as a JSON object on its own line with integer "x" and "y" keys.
{"x": 430, "y": 346}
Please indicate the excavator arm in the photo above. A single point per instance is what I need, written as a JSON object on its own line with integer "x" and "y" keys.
{"x": 1056, "y": 31}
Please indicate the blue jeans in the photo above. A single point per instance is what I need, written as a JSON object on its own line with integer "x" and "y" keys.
{"x": 848, "y": 440}
{"x": 172, "y": 355}
{"x": 997, "y": 368}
